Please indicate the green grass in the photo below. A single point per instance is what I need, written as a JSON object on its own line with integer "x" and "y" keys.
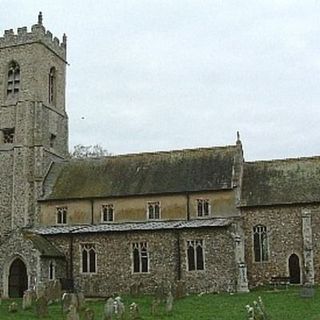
{"x": 281, "y": 305}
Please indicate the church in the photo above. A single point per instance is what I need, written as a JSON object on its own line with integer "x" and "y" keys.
{"x": 189, "y": 221}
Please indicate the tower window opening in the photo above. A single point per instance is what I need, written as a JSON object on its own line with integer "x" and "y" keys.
{"x": 13, "y": 85}
{"x": 8, "y": 135}
{"x": 52, "y": 85}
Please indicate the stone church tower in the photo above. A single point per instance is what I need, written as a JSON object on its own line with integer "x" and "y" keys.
{"x": 33, "y": 120}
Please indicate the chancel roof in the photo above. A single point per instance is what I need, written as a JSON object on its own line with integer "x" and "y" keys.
{"x": 146, "y": 173}
{"x": 286, "y": 181}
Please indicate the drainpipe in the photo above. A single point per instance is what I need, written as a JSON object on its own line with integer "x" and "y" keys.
{"x": 179, "y": 256}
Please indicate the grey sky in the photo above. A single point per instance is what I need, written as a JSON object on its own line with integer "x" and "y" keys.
{"x": 158, "y": 75}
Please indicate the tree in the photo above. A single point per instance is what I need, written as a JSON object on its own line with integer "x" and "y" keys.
{"x": 80, "y": 151}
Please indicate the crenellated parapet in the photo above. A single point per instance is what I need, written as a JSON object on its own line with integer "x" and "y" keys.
{"x": 38, "y": 34}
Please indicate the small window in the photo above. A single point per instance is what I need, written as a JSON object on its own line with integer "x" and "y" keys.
{"x": 107, "y": 213}
{"x": 52, "y": 85}
{"x": 195, "y": 255}
{"x": 61, "y": 215}
{"x": 260, "y": 243}
{"x": 52, "y": 270}
{"x": 203, "y": 207}
{"x": 89, "y": 258}
{"x": 154, "y": 210}
{"x": 140, "y": 257}
{"x": 52, "y": 140}
{"x": 8, "y": 135}
{"x": 13, "y": 84}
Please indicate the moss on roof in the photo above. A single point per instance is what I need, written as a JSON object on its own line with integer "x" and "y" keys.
{"x": 285, "y": 181}
{"x": 145, "y": 173}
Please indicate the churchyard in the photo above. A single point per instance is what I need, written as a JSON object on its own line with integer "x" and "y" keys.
{"x": 279, "y": 304}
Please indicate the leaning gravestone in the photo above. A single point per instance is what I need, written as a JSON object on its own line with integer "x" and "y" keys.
{"x": 81, "y": 300}
{"x": 109, "y": 309}
{"x": 69, "y": 299}
{"x": 41, "y": 307}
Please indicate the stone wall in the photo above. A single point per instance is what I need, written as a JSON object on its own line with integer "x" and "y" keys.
{"x": 285, "y": 237}
{"x": 114, "y": 261}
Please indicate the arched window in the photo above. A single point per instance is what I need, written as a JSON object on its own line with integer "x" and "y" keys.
{"x": 140, "y": 257}
{"x": 13, "y": 85}
{"x": 89, "y": 258}
{"x": 260, "y": 243}
{"x": 52, "y": 85}
{"x": 195, "y": 255}
{"x": 52, "y": 270}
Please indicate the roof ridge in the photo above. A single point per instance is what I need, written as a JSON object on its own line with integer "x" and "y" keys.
{"x": 284, "y": 160}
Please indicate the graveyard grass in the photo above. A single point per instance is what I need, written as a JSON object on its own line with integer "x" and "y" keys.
{"x": 280, "y": 304}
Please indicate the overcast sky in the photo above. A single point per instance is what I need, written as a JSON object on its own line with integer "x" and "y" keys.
{"x": 152, "y": 75}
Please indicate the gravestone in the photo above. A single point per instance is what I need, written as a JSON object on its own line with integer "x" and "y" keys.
{"x": 41, "y": 307}
{"x": 180, "y": 290}
{"x": 81, "y": 300}
{"x": 88, "y": 314}
{"x": 41, "y": 290}
{"x": 109, "y": 309}
{"x": 307, "y": 291}
{"x": 73, "y": 313}
{"x": 155, "y": 306}
{"x": 55, "y": 290}
{"x": 13, "y": 307}
{"x": 134, "y": 311}
{"x": 169, "y": 303}
{"x": 29, "y": 296}
{"x": 119, "y": 308}
{"x": 69, "y": 299}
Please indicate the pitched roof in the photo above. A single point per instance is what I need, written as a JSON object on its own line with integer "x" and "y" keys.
{"x": 145, "y": 173}
{"x": 134, "y": 226}
{"x": 285, "y": 181}
{"x": 46, "y": 248}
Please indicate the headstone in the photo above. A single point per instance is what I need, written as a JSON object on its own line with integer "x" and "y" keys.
{"x": 109, "y": 309}
{"x": 135, "y": 289}
{"x": 88, "y": 314}
{"x": 155, "y": 306}
{"x": 69, "y": 299}
{"x": 134, "y": 311}
{"x": 119, "y": 308}
{"x": 13, "y": 307}
{"x": 73, "y": 313}
{"x": 56, "y": 290}
{"x": 169, "y": 303}
{"x": 41, "y": 290}
{"x": 81, "y": 300}
{"x": 180, "y": 291}
{"x": 307, "y": 291}
{"x": 41, "y": 307}
{"x": 29, "y": 296}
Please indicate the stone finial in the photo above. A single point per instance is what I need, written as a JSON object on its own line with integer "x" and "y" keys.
{"x": 64, "y": 39}
{"x": 238, "y": 138}
{"x": 40, "y": 18}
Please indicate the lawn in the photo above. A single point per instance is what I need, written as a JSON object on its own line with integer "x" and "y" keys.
{"x": 282, "y": 304}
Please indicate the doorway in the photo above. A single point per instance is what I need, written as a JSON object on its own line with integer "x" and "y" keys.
{"x": 294, "y": 269}
{"x": 18, "y": 279}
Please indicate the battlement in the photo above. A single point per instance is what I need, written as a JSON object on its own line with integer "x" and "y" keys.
{"x": 38, "y": 34}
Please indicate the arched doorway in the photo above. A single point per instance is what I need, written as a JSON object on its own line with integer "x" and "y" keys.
{"x": 18, "y": 279}
{"x": 294, "y": 269}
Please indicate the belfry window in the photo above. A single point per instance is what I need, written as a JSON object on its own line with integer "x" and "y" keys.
{"x": 195, "y": 255}
{"x": 8, "y": 135}
{"x": 260, "y": 243}
{"x": 13, "y": 85}
{"x": 140, "y": 257}
{"x": 52, "y": 85}
{"x": 89, "y": 258}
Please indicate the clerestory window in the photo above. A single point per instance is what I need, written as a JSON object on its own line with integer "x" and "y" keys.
{"x": 153, "y": 209}
{"x": 13, "y": 85}
{"x": 260, "y": 243}
{"x": 203, "y": 207}
{"x": 140, "y": 257}
{"x": 195, "y": 255}
{"x": 61, "y": 213}
{"x": 107, "y": 213}
{"x": 89, "y": 258}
